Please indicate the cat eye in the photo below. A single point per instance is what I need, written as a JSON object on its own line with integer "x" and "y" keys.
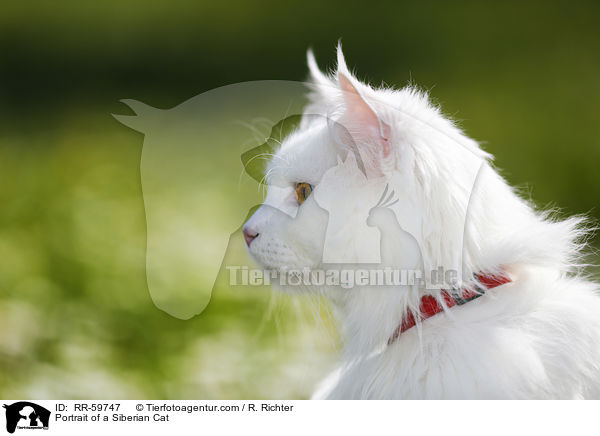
{"x": 303, "y": 190}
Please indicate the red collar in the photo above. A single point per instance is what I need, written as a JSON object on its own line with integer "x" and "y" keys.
{"x": 430, "y": 305}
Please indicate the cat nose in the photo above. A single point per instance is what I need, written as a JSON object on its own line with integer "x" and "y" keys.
{"x": 249, "y": 235}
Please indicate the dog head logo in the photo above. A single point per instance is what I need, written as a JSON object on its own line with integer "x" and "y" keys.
{"x": 194, "y": 194}
{"x": 26, "y": 415}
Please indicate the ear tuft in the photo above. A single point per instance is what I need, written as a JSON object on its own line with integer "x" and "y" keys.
{"x": 315, "y": 73}
{"x": 341, "y": 62}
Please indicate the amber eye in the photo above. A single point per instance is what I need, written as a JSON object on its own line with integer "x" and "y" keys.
{"x": 303, "y": 190}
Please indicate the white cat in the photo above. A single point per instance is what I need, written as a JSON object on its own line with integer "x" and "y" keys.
{"x": 535, "y": 331}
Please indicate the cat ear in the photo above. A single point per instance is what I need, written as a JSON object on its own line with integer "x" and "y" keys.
{"x": 361, "y": 119}
{"x": 323, "y": 88}
{"x": 316, "y": 75}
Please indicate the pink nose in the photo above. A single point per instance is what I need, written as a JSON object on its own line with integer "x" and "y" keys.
{"x": 249, "y": 235}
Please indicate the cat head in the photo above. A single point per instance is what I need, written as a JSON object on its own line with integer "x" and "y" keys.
{"x": 328, "y": 174}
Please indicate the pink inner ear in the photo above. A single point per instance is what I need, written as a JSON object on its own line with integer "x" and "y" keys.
{"x": 361, "y": 115}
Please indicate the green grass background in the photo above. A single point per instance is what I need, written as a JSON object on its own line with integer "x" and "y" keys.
{"x": 76, "y": 320}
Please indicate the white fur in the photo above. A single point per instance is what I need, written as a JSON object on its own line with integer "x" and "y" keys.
{"x": 536, "y": 337}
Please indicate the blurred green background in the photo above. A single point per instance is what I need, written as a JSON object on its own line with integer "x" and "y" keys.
{"x": 76, "y": 320}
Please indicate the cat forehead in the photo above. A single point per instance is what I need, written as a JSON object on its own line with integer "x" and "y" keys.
{"x": 307, "y": 136}
{"x": 304, "y": 155}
